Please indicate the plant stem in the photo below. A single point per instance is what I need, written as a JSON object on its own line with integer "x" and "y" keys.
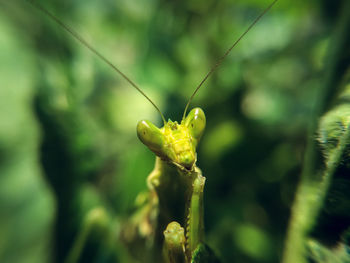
{"x": 312, "y": 187}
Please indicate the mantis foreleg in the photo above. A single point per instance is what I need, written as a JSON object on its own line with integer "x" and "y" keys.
{"x": 195, "y": 225}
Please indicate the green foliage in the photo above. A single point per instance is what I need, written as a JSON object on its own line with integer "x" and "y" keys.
{"x": 68, "y": 145}
{"x": 203, "y": 254}
{"x": 333, "y": 126}
{"x": 322, "y": 200}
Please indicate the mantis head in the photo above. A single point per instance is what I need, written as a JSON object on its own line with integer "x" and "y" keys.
{"x": 175, "y": 143}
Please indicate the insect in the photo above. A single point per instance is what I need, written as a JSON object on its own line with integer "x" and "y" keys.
{"x": 173, "y": 213}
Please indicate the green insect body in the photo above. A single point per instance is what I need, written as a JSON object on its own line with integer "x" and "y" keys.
{"x": 176, "y": 183}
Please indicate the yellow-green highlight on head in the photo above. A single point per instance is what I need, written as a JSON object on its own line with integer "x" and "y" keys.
{"x": 175, "y": 143}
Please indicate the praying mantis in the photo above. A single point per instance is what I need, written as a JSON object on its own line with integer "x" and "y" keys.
{"x": 172, "y": 220}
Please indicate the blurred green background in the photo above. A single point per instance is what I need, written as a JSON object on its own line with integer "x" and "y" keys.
{"x": 68, "y": 139}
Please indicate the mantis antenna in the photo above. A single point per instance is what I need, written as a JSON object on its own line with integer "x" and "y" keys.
{"x": 220, "y": 60}
{"x": 93, "y": 50}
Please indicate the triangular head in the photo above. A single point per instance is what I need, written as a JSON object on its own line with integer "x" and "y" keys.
{"x": 175, "y": 143}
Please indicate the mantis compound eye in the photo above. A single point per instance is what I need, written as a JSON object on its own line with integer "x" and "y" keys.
{"x": 195, "y": 121}
{"x": 150, "y": 135}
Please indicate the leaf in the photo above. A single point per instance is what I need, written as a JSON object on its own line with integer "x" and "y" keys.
{"x": 204, "y": 254}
